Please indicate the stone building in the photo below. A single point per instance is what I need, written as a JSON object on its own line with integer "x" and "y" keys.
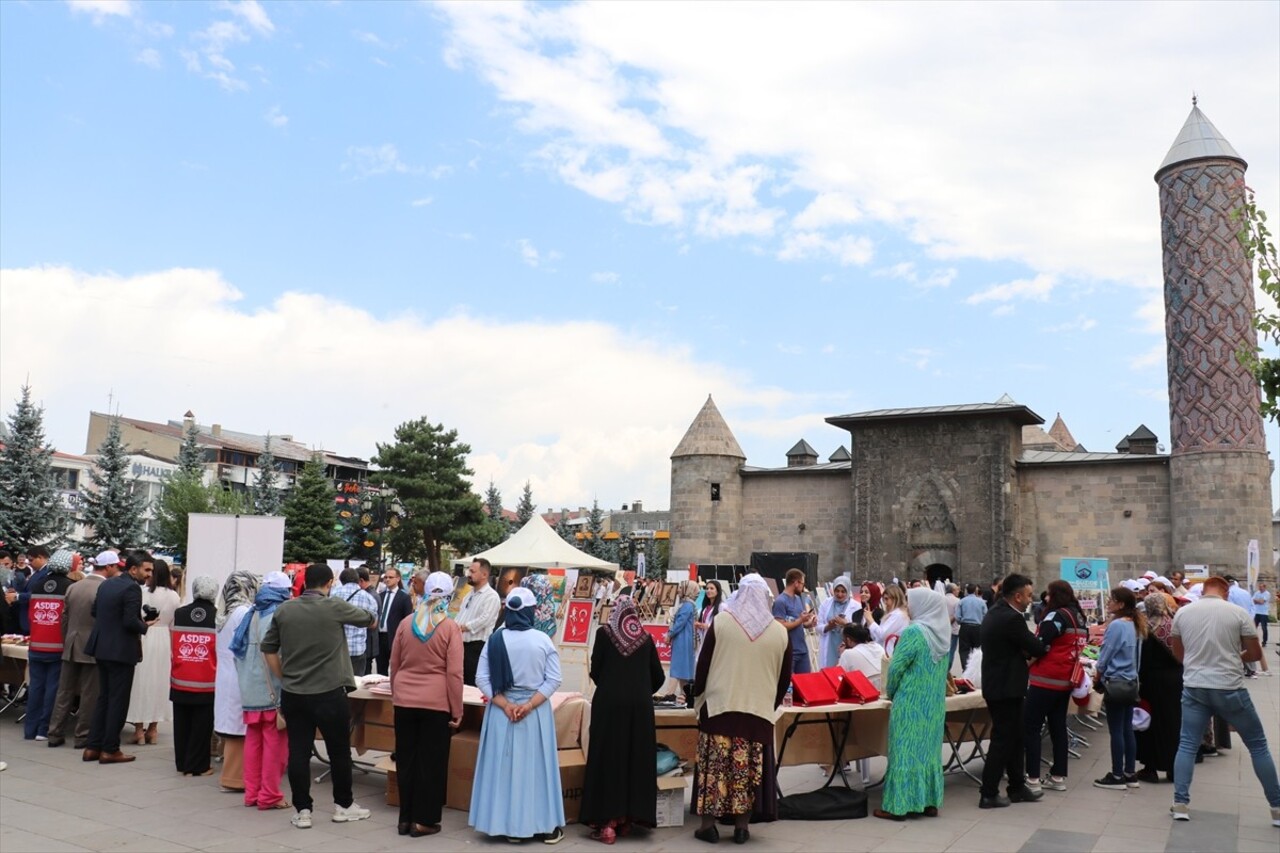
{"x": 975, "y": 491}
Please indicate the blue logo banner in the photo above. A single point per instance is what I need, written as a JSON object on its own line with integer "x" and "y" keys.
{"x": 1084, "y": 573}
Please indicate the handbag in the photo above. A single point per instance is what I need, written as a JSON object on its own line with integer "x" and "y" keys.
{"x": 1121, "y": 691}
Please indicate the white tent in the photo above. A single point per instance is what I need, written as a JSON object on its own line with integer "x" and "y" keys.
{"x": 537, "y": 546}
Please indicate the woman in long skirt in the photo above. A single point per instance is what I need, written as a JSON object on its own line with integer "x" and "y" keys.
{"x": 1160, "y": 684}
{"x": 228, "y": 713}
{"x": 619, "y": 789}
{"x": 681, "y": 634}
{"x": 426, "y": 691}
{"x": 149, "y": 699}
{"x": 917, "y": 685}
{"x": 266, "y": 746}
{"x": 516, "y": 792}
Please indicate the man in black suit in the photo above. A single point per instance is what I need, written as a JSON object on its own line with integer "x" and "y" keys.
{"x": 1007, "y": 646}
{"x": 116, "y": 643}
{"x": 394, "y": 605}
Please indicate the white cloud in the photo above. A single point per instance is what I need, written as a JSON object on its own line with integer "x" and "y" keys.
{"x": 918, "y": 357}
{"x": 100, "y": 10}
{"x": 1037, "y": 288}
{"x": 1003, "y": 310}
{"x": 530, "y": 255}
{"x": 1081, "y": 323}
{"x": 790, "y": 349}
{"x": 605, "y": 277}
{"x": 1157, "y": 356}
{"x": 811, "y": 245}
{"x": 371, "y": 39}
{"x": 652, "y": 108}
{"x": 252, "y": 13}
{"x": 441, "y": 171}
{"x": 370, "y": 160}
{"x": 276, "y": 118}
{"x": 906, "y": 270}
{"x": 422, "y": 202}
{"x": 149, "y": 57}
{"x": 491, "y": 394}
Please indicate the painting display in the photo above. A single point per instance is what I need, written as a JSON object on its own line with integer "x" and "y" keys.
{"x": 658, "y": 632}
{"x": 508, "y": 579}
{"x": 606, "y": 610}
{"x": 577, "y": 623}
{"x": 582, "y": 589}
{"x": 669, "y": 593}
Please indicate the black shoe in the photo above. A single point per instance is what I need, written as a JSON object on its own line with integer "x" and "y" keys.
{"x": 999, "y": 801}
{"x": 740, "y": 836}
{"x": 1146, "y": 774}
{"x": 1025, "y": 795}
{"x": 56, "y": 741}
{"x": 711, "y": 835}
{"x": 1111, "y": 782}
{"x": 553, "y": 837}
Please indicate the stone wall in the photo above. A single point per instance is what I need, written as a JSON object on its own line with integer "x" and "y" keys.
{"x": 939, "y": 484}
{"x": 776, "y": 504}
{"x": 1221, "y": 500}
{"x": 1079, "y": 511}
{"x": 703, "y": 530}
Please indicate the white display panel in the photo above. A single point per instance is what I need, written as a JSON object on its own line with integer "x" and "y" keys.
{"x": 218, "y": 545}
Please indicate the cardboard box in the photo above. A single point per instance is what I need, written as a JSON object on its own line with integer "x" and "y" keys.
{"x": 462, "y": 775}
{"x": 671, "y": 800}
{"x": 386, "y": 765}
{"x": 573, "y": 777}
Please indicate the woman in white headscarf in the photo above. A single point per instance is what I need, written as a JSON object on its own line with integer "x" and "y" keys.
{"x": 917, "y": 685}
{"x": 426, "y": 691}
{"x": 836, "y": 612}
{"x": 266, "y": 745}
{"x": 228, "y": 714}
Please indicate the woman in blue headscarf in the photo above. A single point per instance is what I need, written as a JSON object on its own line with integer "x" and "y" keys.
{"x": 517, "y": 784}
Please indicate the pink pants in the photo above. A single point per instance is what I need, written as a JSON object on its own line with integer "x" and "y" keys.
{"x": 266, "y": 753}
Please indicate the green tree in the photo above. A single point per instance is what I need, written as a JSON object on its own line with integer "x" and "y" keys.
{"x": 266, "y": 496}
{"x": 191, "y": 454}
{"x": 595, "y": 544}
{"x": 185, "y": 493}
{"x": 1256, "y": 240}
{"x": 426, "y": 467}
{"x": 31, "y": 511}
{"x": 114, "y": 509}
{"x": 526, "y": 508}
{"x": 311, "y": 518}
{"x": 493, "y": 508}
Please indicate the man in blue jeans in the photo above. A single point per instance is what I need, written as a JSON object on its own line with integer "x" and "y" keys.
{"x": 789, "y": 609}
{"x": 1211, "y": 637}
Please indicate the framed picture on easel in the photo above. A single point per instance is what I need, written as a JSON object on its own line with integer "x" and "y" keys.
{"x": 577, "y": 623}
{"x": 582, "y": 589}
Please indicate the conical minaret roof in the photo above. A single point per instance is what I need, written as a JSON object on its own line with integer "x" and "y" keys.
{"x": 1059, "y": 433}
{"x": 1198, "y": 140}
{"x": 709, "y": 435}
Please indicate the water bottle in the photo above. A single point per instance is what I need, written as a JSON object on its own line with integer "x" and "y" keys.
{"x": 786, "y": 700}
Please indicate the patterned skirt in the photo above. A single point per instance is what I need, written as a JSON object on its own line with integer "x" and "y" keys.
{"x": 730, "y": 771}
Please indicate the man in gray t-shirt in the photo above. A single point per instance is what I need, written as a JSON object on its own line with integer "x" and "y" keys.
{"x": 1211, "y": 637}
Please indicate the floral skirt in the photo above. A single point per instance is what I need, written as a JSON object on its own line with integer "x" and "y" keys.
{"x": 730, "y": 771}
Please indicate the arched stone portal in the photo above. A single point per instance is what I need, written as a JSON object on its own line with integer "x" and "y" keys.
{"x": 934, "y": 564}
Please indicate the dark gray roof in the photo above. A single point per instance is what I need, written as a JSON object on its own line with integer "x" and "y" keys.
{"x": 1067, "y": 457}
{"x": 1142, "y": 434}
{"x": 820, "y": 468}
{"x": 841, "y": 455}
{"x": 1015, "y": 411}
{"x": 802, "y": 448}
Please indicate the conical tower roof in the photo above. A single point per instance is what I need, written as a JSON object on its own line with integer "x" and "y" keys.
{"x": 709, "y": 435}
{"x": 1198, "y": 140}
{"x": 1059, "y": 433}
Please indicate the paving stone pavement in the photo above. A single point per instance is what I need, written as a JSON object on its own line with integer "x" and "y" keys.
{"x": 51, "y": 801}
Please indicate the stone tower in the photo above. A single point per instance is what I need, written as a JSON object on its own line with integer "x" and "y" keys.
{"x": 1218, "y": 467}
{"x": 706, "y": 493}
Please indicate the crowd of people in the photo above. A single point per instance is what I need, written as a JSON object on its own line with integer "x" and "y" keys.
{"x": 266, "y": 663}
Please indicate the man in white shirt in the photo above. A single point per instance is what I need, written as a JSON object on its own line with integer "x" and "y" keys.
{"x": 478, "y": 615}
{"x": 1262, "y": 609}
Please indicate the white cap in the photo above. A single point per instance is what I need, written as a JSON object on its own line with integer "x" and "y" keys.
{"x": 1131, "y": 585}
{"x": 520, "y": 598}
{"x": 1149, "y": 575}
{"x": 107, "y": 558}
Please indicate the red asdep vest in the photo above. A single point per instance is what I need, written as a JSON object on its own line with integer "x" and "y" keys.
{"x": 1056, "y": 670}
{"x": 194, "y": 661}
{"x": 44, "y": 615}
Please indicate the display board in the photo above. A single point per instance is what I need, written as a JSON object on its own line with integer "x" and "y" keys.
{"x": 218, "y": 545}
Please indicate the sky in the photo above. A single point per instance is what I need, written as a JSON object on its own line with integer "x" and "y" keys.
{"x": 557, "y": 228}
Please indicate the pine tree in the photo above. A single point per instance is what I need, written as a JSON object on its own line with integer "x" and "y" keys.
{"x": 266, "y": 496}
{"x": 565, "y": 532}
{"x": 184, "y": 493}
{"x": 526, "y": 508}
{"x": 493, "y": 508}
{"x": 31, "y": 511}
{"x": 311, "y": 517}
{"x": 596, "y": 546}
{"x": 191, "y": 454}
{"x": 427, "y": 469}
{"x": 113, "y": 511}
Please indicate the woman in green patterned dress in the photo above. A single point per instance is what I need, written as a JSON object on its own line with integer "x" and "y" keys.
{"x": 917, "y": 685}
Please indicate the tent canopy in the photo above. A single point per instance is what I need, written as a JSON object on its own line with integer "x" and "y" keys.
{"x": 537, "y": 546}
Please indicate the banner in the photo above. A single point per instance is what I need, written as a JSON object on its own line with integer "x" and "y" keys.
{"x": 1086, "y": 574}
{"x": 1253, "y": 562}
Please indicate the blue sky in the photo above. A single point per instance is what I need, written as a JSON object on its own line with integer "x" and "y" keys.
{"x": 559, "y": 227}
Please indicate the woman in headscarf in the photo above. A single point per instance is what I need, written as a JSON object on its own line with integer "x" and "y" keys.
{"x": 619, "y": 790}
{"x": 149, "y": 699}
{"x": 680, "y": 636}
{"x": 917, "y": 685}
{"x": 544, "y": 614}
{"x": 228, "y": 714}
{"x": 870, "y": 596}
{"x": 896, "y": 618}
{"x": 1160, "y": 687}
{"x": 836, "y": 612}
{"x": 517, "y": 784}
{"x": 266, "y": 746}
{"x": 193, "y": 673}
{"x": 743, "y": 673}
{"x": 426, "y": 690}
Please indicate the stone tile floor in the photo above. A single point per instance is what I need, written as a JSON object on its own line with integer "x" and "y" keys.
{"x": 51, "y": 801}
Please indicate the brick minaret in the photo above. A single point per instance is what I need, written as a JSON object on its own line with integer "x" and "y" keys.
{"x": 1219, "y": 471}
{"x": 706, "y": 493}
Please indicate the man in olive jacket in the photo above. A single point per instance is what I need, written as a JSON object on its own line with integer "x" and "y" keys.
{"x": 1007, "y": 646}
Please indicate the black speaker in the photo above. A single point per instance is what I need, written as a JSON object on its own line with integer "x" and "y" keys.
{"x": 775, "y": 564}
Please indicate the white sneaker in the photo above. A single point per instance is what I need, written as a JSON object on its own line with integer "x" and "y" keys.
{"x": 1033, "y": 784}
{"x": 350, "y": 813}
{"x": 1180, "y": 811}
{"x": 302, "y": 820}
{"x": 1055, "y": 783}
{"x": 1275, "y": 812}
{"x": 42, "y": 737}
{"x": 4, "y": 765}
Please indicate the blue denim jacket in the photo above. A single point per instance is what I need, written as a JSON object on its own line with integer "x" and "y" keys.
{"x": 1119, "y": 655}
